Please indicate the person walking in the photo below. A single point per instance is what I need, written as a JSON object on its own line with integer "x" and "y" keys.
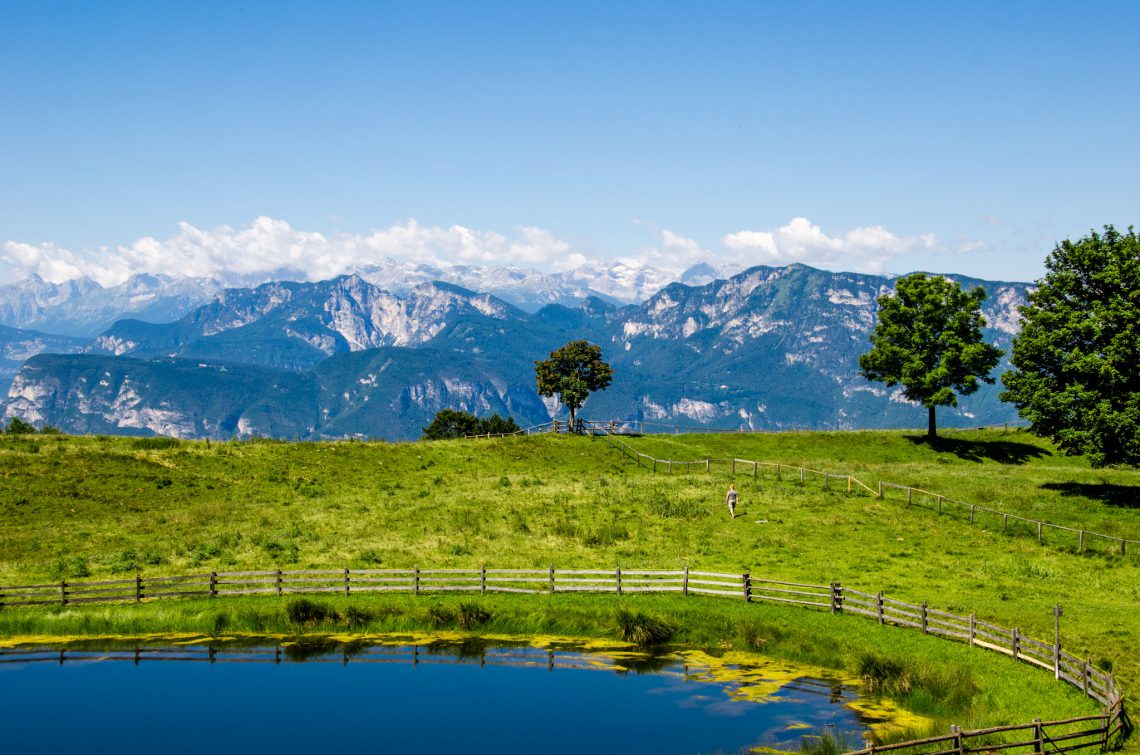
{"x": 730, "y": 499}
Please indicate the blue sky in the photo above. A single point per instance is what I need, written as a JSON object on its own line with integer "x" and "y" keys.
{"x": 956, "y": 137}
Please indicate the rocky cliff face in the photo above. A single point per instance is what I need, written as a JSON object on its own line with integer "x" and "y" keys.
{"x": 768, "y": 348}
{"x": 17, "y": 346}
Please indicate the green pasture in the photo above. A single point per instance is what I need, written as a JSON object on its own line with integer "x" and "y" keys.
{"x": 73, "y": 507}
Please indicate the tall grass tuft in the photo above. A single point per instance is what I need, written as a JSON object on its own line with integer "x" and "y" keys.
{"x": 305, "y": 612}
{"x": 926, "y": 688}
{"x": 827, "y": 742}
{"x": 471, "y": 615}
{"x": 642, "y": 629}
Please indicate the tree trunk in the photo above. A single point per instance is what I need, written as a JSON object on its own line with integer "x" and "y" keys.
{"x": 931, "y": 425}
{"x": 573, "y": 428}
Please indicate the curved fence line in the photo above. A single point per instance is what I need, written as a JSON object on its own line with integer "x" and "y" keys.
{"x": 938, "y": 502}
{"x": 1093, "y": 682}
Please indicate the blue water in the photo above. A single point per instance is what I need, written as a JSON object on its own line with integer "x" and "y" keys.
{"x": 387, "y": 700}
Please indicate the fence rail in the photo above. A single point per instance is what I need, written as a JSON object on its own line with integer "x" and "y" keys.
{"x": 942, "y": 504}
{"x": 1093, "y": 682}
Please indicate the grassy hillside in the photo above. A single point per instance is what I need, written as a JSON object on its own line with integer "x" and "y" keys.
{"x": 81, "y": 506}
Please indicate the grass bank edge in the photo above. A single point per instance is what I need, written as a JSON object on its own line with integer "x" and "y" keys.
{"x": 941, "y": 682}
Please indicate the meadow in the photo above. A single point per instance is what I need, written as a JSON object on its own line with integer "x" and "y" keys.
{"x": 76, "y": 507}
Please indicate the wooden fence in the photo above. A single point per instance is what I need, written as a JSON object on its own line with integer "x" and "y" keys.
{"x": 913, "y": 496}
{"x": 1097, "y": 684}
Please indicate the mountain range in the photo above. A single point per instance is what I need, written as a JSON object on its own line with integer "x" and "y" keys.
{"x": 83, "y": 307}
{"x": 767, "y": 348}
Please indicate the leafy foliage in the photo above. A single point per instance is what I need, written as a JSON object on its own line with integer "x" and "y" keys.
{"x": 1076, "y": 374}
{"x": 451, "y": 423}
{"x": 572, "y": 373}
{"x": 19, "y": 427}
{"x": 928, "y": 338}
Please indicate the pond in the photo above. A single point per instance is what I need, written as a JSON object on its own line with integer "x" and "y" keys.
{"x": 439, "y": 696}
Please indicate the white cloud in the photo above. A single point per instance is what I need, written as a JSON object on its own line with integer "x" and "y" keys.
{"x": 675, "y": 252}
{"x": 866, "y": 249}
{"x": 272, "y": 247}
{"x": 268, "y": 245}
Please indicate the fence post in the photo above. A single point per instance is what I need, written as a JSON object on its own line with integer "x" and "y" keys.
{"x": 957, "y": 732}
{"x": 755, "y": 470}
{"x": 939, "y": 505}
{"x": 483, "y": 579}
{"x": 879, "y": 606}
{"x": 1016, "y": 643}
{"x": 685, "y": 583}
{"x": 1004, "y": 521}
{"x": 550, "y": 574}
{"x": 278, "y": 583}
{"x": 416, "y": 579}
{"x": 1086, "y": 672}
{"x": 924, "y": 623}
{"x": 1040, "y": 538}
{"x": 734, "y": 465}
{"x": 908, "y": 494}
{"x": 778, "y": 477}
{"x": 801, "y": 475}
{"x": 1038, "y": 736}
{"x": 213, "y": 584}
{"x": 880, "y": 488}
{"x": 655, "y": 464}
{"x": 825, "y": 478}
{"x": 346, "y": 587}
{"x": 1081, "y": 543}
{"x": 973, "y": 628}
{"x": 1057, "y": 614}
{"x": 746, "y": 581}
{"x": 63, "y": 592}
{"x": 708, "y": 465}
{"x": 617, "y": 579}
{"x": 836, "y": 598}
{"x": 972, "y": 507}
{"x": 138, "y": 588}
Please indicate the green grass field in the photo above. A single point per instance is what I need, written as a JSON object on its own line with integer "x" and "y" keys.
{"x": 102, "y": 507}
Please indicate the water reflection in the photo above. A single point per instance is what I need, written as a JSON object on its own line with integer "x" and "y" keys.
{"x": 414, "y": 697}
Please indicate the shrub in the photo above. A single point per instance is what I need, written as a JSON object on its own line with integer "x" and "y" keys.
{"x": 74, "y": 567}
{"x": 471, "y": 615}
{"x": 642, "y": 629}
{"x": 370, "y": 556}
{"x": 306, "y": 612}
{"x": 19, "y": 427}
{"x": 355, "y": 616}
{"x": 440, "y": 615}
{"x": 606, "y": 534}
{"x": 157, "y": 443}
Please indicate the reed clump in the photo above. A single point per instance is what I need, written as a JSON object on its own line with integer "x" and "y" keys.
{"x": 643, "y": 630}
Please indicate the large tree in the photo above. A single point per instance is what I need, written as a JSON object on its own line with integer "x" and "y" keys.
{"x": 572, "y": 373}
{"x": 1076, "y": 374}
{"x": 928, "y": 339}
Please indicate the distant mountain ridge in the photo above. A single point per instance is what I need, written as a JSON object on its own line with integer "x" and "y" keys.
{"x": 773, "y": 348}
{"x": 82, "y": 307}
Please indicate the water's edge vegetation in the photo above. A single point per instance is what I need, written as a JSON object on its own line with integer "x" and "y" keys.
{"x": 912, "y": 685}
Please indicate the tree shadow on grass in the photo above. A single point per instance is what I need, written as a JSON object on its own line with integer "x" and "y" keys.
{"x": 1120, "y": 496}
{"x": 1001, "y": 451}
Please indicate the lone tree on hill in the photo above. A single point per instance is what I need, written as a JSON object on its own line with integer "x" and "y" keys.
{"x": 928, "y": 338}
{"x": 572, "y": 372}
{"x": 1076, "y": 361}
